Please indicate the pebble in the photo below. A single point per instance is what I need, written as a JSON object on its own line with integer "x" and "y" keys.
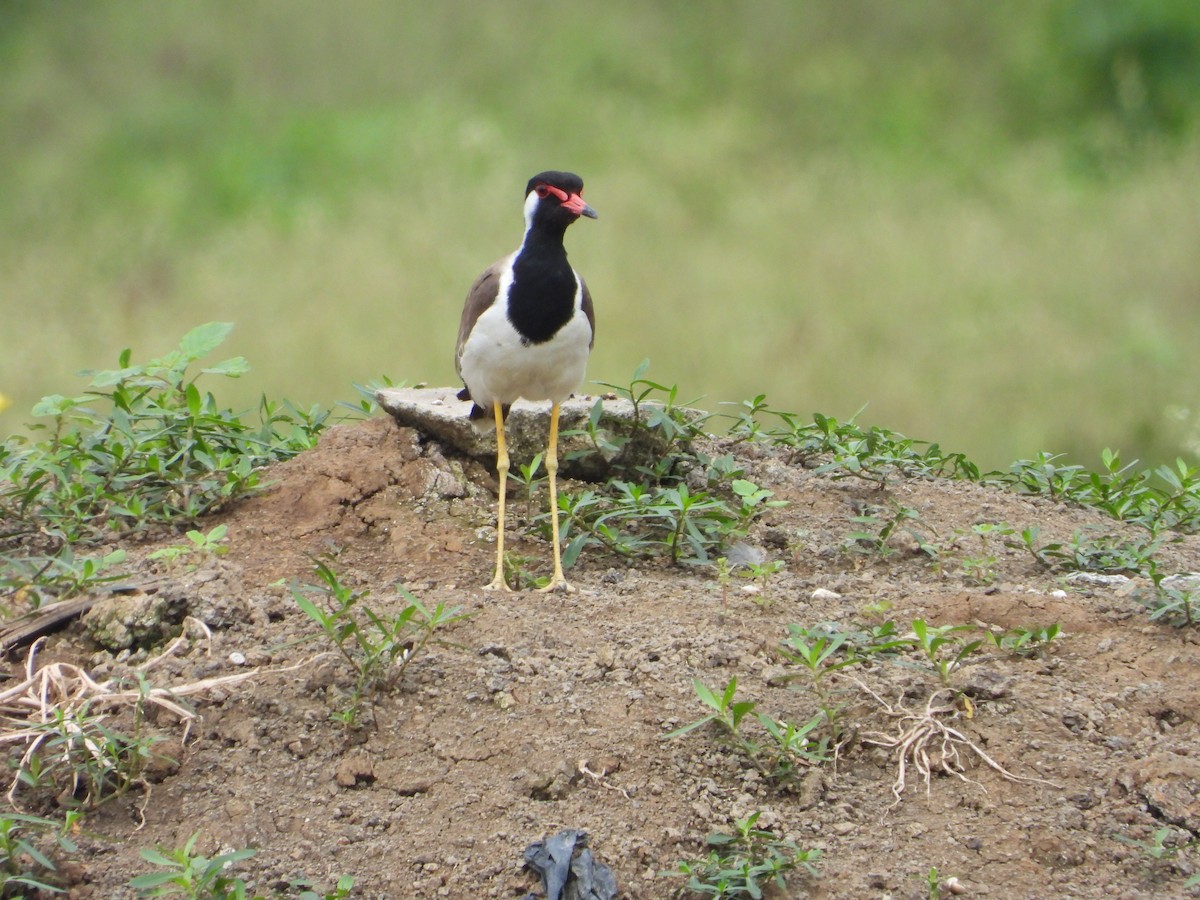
{"x": 237, "y": 658}
{"x": 1096, "y": 578}
{"x": 824, "y": 594}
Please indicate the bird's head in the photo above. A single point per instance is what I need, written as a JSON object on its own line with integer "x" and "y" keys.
{"x": 555, "y": 197}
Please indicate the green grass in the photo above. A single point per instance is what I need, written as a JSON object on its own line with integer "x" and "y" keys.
{"x": 942, "y": 210}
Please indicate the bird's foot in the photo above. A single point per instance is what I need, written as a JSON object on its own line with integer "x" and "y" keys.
{"x": 558, "y": 585}
{"x": 498, "y": 584}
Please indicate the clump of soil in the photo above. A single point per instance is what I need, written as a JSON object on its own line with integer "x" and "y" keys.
{"x": 549, "y": 711}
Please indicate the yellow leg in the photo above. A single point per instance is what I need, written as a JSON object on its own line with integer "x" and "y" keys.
{"x": 498, "y": 583}
{"x": 557, "y": 581}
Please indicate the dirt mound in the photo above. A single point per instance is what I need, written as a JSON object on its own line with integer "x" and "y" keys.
{"x": 549, "y": 711}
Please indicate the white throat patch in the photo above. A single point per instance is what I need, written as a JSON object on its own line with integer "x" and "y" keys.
{"x": 531, "y": 204}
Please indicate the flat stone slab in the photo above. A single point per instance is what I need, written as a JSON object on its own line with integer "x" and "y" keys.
{"x": 439, "y": 414}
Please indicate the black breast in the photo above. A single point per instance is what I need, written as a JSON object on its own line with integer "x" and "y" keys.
{"x": 541, "y": 299}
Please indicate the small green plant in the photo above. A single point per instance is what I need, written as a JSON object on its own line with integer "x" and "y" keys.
{"x": 187, "y": 873}
{"x": 340, "y": 891}
{"x": 84, "y": 759}
{"x": 1033, "y": 640}
{"x": 660, "y": 434}
{"x": 23, "y": 864}
{"x": 980, "y": 568}
{"x": 201, "y": 544}
{"x": 1157, "y": 499}
{"x": 39, "y": 578}
{"x": 743, "y": 863}
{"x": 875, "y": 454}
{"x": 933, "y": 884}
{"x": 1104, "y": 553}
{"x": 724, "y": 578}
{"x": 1173, "y": 601}
{"x": 762, "y": 573}
{"x": 527, "y": 476}
{"x": 144, "y": 444}
{"x": 819, "y": 651}
{"x": 1164, "y": 847}
{"x": 881, "y": 523}
{"x": 518, "y": 574}
{"x": 647, "y": 520}
{"x": 379, "y": 649}
{"x": 725, "y": 712}
{"x": 946, "y": 654}
{"x": 650, "y": 506}
{"x": 790, "y": 746}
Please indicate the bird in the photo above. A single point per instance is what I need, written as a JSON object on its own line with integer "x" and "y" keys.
{"x": 527, "y": 330}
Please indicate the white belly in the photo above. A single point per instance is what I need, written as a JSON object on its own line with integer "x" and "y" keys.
{"x": 496, "y": 366}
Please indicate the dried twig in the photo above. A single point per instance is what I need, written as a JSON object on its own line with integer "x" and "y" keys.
{"x": 66, "y": 696}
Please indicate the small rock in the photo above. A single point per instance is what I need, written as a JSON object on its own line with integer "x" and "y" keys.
{"x": 987, "y": 684}
{"x": 1183, "y": 582}
{"x": 606, "y": 658}
{"x": 743, "y": 554}
{"x": 238, "y": 659}
{"x": 1097, "y": 579}
{"x": 353, "y": 769}
{"x": 125, "y": 621}
{"x": 775, "y": 537}
{"x": 824, "y": 594}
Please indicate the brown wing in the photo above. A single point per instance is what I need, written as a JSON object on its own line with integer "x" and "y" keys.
{"x": 587, "y": 310}
{"x": 481, "y": 296}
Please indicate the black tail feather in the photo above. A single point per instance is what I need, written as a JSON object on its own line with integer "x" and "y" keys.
{"x": 482, "y": 419}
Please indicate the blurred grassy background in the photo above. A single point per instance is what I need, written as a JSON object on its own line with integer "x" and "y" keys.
{"x": 980, "y": 220}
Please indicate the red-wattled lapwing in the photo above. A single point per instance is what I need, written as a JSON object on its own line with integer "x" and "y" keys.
{"x": 526, "y": 332}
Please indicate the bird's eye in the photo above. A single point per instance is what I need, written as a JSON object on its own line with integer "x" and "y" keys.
{"x": 542, "y": 190}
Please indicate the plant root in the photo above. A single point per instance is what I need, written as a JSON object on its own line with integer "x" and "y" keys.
{"x": 926, "y": 742}
{"x": 66, "y": 694}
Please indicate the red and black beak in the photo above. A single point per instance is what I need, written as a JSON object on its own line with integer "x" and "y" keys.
{"x": 574, "y": 203}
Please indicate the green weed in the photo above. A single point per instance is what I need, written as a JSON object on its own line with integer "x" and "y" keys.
{"x": 875, "y": 454}
{"x": 39, "y": 578}
{"x": 1173, "y": 602}
{"x": 201, "y": 544}
{"x": 1033, "y": 640}
{"x": 1164, "y": 847}
{"x": 23, "y": 863}
{"x": 647, "y": 508}
{"x": 941, "y": 649}
{"x": 1102, "y": 553}
{"x": 378, "y": 648}
{"x": 77, "y": 756}
{"x": 142, "y": 446}
{"x": 186, "y": 873}
{"x": 1167, "y": 497}
{"x": 790, "y": 747}
{"x": 882, "y": 523}
{"x": 762, "y": 573}
{"x": 743, "y": 863}
{"x": 725, "y": 712}
{"x": 636, "y": 520}
{"x": 659, "y": 437}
